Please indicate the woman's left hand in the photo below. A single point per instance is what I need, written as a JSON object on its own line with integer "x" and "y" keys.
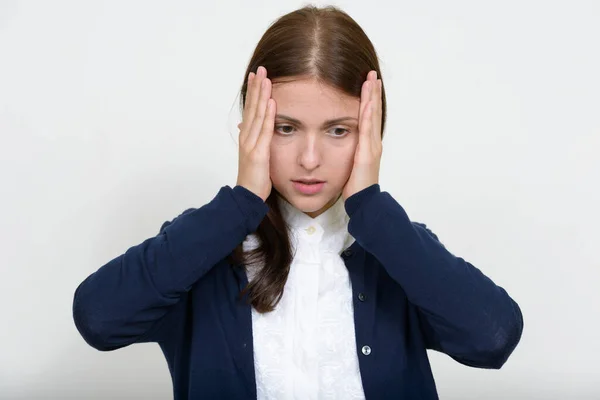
{"x": 367, "y": 158}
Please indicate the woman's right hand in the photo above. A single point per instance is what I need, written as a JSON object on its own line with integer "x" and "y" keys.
{"x": 256, "y": 131}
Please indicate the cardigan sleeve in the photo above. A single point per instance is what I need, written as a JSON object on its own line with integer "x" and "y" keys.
{"x": 133, "y": 297}
{"x": 462, "y": 312}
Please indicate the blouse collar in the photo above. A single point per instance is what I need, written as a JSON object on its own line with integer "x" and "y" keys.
{"x": 329, "y": 228}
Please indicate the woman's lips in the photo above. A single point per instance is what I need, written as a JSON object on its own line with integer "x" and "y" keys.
{"x": 306, "y": 188}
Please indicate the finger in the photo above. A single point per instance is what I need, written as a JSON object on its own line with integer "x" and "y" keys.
{"x": 366, "y": 91}
{"x": 364, "y": 99}
{"x": 259, "y": 117}
{"x": 374, "y": 96}
{"x": 243, "y": 133}
{"x": 380, "y": 110}
{"x": 365, "y": 124}
{"x": 264, "y": 140}
{"x": 251, "y": 76}
{"x": 377, "y": 112}
{"x": 249, "y": 84}
{"x": 374, "y": 86}
{"x": 261, "y": 73}
{"x": 372, "y": 75}
{"x": 252, "y": 100}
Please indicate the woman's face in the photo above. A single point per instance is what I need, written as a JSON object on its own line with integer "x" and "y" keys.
{"x": 306, "y": 145}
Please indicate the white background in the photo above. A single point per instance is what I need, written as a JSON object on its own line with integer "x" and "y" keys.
{"x": 116, "y": 116}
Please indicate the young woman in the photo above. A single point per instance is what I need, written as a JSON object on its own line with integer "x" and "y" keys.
{"x": 305, "y": 280}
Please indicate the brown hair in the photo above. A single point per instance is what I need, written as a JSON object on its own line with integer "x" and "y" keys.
{"x": 325, "y": 44}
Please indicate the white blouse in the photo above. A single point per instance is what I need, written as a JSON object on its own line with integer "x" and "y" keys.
{"x": 306, "y": 349}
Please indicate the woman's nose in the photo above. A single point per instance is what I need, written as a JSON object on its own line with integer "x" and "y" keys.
{"x": 309, "y": 156}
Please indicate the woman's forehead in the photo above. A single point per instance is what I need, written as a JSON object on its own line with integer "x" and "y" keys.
{"x": 311, "y": 97}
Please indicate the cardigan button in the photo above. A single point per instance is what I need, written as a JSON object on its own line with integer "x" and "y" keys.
{"x": 366, "y": 350}
{"x": 347, "y": 252}
{"x": 362, "y": 296}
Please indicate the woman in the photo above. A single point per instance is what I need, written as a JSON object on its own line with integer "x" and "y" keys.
{"x": 305, "y": 280}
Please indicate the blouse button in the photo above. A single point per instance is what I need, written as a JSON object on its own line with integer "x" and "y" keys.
{"x": 310, "y": 230}
{"x": 366, "y": 350}
{"x": 362, "y": 296}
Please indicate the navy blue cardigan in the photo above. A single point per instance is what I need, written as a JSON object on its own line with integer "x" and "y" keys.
{"x": 409, "y": 293}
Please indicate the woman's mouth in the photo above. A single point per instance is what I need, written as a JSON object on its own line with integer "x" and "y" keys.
{"x": 308, "y": 187}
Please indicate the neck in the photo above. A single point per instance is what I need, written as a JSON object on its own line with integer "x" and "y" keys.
{"x": 315, "y": 214}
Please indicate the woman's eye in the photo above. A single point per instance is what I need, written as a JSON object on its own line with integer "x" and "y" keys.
{"x": 287, "y": 130}
{"x": 342, "y": 131}
{"x": 279, "y": 127}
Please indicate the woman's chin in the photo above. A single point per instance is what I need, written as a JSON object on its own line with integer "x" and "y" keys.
{"x": 313, "y": 205}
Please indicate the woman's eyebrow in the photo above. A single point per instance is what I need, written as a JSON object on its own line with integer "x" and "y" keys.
{"x": 326, "y": 123}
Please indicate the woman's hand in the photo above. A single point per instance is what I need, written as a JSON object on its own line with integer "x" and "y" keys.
{"x": 256, "y": 131}
{"x": 367, "y": 158}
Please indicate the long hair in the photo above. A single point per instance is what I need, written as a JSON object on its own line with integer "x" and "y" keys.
{"x": 325, "y": 44}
